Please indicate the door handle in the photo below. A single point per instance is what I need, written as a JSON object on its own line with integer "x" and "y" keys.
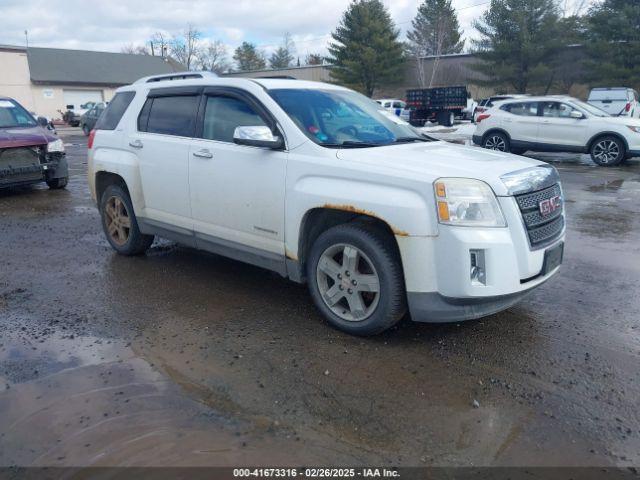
{"x": 136, "y": 144}
{"x": 204, "y": 153}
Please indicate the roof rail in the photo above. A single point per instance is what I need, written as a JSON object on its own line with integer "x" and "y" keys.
{"x": 277, "y": 77}
{"x": 176, "y": 76}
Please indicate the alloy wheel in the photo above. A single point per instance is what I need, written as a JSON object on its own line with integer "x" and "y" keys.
{"x": 348, "y": 282}
{"x": 606, "y": 151}
{"x": 117, "y": 220}
{"x": 495, "y": 142}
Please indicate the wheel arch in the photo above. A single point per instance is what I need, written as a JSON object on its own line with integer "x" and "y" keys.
{"x": 104, "y": 179}
{"x": 317, "y": 220}
{"x": 496, "y": 130}
{"x": 595, "y": 137}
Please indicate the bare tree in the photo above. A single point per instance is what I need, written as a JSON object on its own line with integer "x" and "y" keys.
{"x": 160, "y": 43}
{"x": 185, "y": 48}
{"x": 441, "y": 28}
{"x": 134, "y": 49}
{"x": 213, "y": 57}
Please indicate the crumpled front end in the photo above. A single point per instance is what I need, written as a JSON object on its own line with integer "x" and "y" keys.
{"x": 30, "y": 164}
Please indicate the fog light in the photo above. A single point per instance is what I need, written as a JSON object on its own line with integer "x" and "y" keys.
{"x": 478, "y": 273}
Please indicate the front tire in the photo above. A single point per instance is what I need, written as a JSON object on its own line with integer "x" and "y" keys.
{"x": 608, "y": 151}
{"x": 356, "y": 280}
{"x": 496, "y": 141}
{"x": 119, "y": 223}
{"x": 58, "y": 183}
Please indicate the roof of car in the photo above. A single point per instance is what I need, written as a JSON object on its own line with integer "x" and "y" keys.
{"x": 212, "y": 80}
{"x": 541, "y": 98}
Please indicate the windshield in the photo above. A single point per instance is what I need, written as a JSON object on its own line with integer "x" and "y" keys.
{"x": 13, "y": 115}
{"x": 343, "y": 118}
{"x": 595, "y": 111}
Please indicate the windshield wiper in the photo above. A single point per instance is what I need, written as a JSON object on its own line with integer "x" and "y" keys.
{"x": 352, "y": 144}
{"x": 409, "y": 139}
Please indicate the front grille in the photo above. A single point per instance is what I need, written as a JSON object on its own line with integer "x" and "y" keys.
{"x": 541, "y": 229}
{"x": 22, "y": 164}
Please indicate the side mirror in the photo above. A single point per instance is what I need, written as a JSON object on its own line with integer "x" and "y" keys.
{"x": 43, "y": 122}
{"x": 258, "y": 136}
{"x": 576, "y": 114}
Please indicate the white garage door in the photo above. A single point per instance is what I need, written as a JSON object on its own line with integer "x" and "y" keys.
{"x": 80, "y": 97}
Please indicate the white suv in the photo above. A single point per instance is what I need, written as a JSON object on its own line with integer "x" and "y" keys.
{"x": 558, "y": 124}
{"x": 322, "y": 185}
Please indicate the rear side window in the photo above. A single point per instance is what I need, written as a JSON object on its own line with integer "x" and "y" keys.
{"x": 172, "y": 115}
{"x": 115, "y": 110}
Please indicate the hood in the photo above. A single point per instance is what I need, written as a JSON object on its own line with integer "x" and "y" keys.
{"x": 440, "y": 159}
{"x": 25, "y": 137}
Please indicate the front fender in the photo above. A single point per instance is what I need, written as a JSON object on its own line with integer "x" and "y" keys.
{"x": 405, "y": 211}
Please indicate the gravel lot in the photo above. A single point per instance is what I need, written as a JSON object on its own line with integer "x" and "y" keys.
{"x": 185, "y": 358}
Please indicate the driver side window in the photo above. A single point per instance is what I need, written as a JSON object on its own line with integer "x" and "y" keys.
{"x": 223, "y": 114}
{"x": 556, "y": 110}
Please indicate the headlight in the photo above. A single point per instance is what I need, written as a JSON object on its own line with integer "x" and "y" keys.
{"x": 467, "y": 202}
{"x": 55, "y": 146}
{"x": 635, "y": 129}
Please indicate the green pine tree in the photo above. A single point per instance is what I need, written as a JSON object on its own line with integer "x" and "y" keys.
{"x": 248, "y": 57}
{"x": 614, "y": 43}
{"x": 366, "y": 53}
{"x": 519, "y": 42}
{"x": 435, "y": 30}
{"x": 283, "y": 56}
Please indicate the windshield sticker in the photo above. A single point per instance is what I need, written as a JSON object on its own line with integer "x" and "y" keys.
{"x": 6, "y": 104}
{"x": 393, "y": 117}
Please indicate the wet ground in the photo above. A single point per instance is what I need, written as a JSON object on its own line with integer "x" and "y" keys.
{"x": 185, "y": 358}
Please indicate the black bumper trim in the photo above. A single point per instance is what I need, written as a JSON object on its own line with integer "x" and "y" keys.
{"x": 431, "y": 307}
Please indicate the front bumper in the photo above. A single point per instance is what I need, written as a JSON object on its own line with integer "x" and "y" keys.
{"x": 431, "y": 307}
{"x": 51, "y": 166}
{"x": 438, "y": 269}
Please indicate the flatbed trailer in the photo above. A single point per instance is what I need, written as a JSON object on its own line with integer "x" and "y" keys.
{"x": 441, "y": 104}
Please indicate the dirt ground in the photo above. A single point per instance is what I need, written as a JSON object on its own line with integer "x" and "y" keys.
{"x": 185, "y": 358}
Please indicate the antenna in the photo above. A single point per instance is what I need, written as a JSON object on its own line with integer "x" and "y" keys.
{"x": 26, "y": 36}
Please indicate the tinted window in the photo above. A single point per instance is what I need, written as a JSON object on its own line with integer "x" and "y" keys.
{"x": 114, "y": 111}
{"x": 556, "y": 110}
{"x": 173, "y": 115}
{"x": 523, "y": 109}
{"x": 398, "y": 105}
{"x": 223, "y": 114}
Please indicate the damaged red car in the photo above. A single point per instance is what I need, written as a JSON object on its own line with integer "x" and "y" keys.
{"x": 29, "y": 152}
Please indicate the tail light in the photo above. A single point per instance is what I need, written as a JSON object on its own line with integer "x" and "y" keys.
{"x": 92, "y": 135}
{"x": 482, "y": 117}
{"x": 628, "y": 107}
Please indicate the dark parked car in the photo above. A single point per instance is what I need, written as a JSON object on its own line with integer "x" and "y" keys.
{"x": 89, "y": 119}
{"x": 29, "y": 153}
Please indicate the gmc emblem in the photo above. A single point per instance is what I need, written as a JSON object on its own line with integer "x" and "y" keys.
{"x": 550, "y": 205}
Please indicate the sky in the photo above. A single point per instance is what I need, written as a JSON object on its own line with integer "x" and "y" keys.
{"x": 108, "y": 25}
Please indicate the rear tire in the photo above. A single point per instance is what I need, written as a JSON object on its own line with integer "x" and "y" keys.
{"x": 496, "y": 141}
{"x": 58, "y": 183}
{"x": 608, "y": 151}
{"x": 356, "y": 280}
{"x": 85, "y": 130}
{"x": 119, "y": 223}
